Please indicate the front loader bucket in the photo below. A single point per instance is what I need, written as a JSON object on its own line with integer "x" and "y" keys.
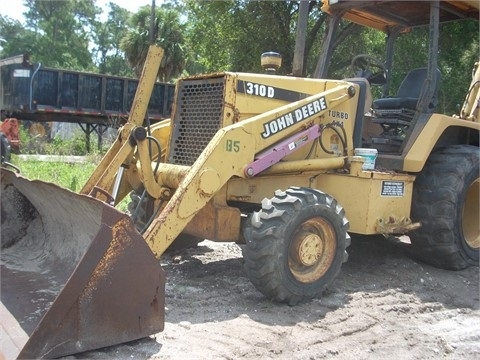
{"x": 75, "y": 274}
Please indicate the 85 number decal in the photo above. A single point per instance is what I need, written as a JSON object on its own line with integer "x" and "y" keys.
{"x": 233, "y": 146}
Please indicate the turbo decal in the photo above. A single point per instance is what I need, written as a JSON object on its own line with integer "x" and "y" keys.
{"x": 289, "y": 119}
{"x": 338, "y": 114}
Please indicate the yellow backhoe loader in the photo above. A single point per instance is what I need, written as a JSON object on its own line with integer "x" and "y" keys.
{"x": 284, "y": 165}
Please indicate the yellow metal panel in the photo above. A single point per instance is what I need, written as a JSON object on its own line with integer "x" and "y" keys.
{"x": 366, "y": 200}
{"x": 263, "y": 93}
{"x": 253, "y": 190}
{"x": 423, "y": 145}
{"x": 216, "y": 221}
{"x": 361, "y": 197}
{"x": 258, "y": 92}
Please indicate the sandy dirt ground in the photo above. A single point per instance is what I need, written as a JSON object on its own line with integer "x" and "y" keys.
{"x": 383, "y": 305}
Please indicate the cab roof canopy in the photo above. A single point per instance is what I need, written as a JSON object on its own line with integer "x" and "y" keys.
{"x": 385, "y": 15}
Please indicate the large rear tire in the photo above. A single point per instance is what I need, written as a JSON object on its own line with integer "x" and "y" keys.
{"x": 295, "y": 245}
{"x": 446, "y": 202}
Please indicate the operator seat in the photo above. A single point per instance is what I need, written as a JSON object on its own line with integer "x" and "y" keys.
{"x": 395, "y": 114}
{"x": 409, "y": 92}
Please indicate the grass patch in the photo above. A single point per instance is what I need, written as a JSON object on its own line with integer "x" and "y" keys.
{"x": 68, "y": 175}
{"x": 72, "y": 176}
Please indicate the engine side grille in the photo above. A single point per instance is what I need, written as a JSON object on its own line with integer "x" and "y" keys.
{"x": 197, "y": 118}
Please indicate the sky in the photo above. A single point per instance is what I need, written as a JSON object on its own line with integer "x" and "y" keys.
{"x": 15, "y": 8}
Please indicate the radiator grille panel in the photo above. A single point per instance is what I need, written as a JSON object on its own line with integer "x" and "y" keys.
{"x": 197, "y": 118}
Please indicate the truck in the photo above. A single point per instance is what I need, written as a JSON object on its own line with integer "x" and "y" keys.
{"x": 274, "y": 163}
{"x": 39, "y": 95}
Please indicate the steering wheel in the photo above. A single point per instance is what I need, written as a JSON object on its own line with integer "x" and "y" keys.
{"x": 370, "y": 68}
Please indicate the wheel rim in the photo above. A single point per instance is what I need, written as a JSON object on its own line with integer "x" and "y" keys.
{"x": 470, "y": 224}
{"x": 312, "y": 250}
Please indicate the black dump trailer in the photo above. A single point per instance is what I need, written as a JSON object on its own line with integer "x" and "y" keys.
{"x": 32, "y": 92}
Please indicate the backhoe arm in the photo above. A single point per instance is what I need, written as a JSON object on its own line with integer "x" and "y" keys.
{"x": 472, "y": 100}
{"x": 229, "y": 154}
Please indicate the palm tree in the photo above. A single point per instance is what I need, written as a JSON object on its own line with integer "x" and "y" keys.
{"x": 168, "y": 33}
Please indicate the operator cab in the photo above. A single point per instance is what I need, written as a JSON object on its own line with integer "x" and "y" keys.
{"x": 389, "y": 123}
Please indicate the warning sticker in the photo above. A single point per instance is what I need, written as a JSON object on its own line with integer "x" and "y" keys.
{"x": 393, "y": 188}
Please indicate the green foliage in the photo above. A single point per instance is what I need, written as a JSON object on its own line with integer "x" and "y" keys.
{"x": 75, "y": 145}
{"x": 14, "y": 38}
{"x": 458, "y": 51}
{"x": 231, "y": 35}
{"x": 209, "y": 34}
{"x": 354, "y": 41}
{"x": 69, "y": 175}
{"x": 167, "y": 33}
{"x": 66, "y": 174}
{"x": 272, "y": 32}
{"x": 110, "y": 58}
{"x": 62, "y": 32}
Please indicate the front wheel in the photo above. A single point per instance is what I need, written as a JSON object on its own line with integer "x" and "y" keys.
{"x": 296, "y": 244}
{"x": 446, "y": 203}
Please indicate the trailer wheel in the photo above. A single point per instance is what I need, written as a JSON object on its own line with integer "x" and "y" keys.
{"x": 295, "y": 245}
{"x": 5, "y": 149}
{"x": 446, "y": 202}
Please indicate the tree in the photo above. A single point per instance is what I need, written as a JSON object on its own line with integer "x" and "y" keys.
{"x": 168, "y": 34}
{"x": 231, "y": 35}
{"x": 207, "y": 37}
{"x": 14, "y": 38}
{"x": 273, "y": 31}
{"x": 109, "y": 57}
{"x": 459, "y": 50}
{"x": 63, "y": 32}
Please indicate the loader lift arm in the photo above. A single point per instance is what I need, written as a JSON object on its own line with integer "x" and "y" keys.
{"x": 101, "y": 181}
{"x": 219, "y": 162}
{"x": 213, "y": 168}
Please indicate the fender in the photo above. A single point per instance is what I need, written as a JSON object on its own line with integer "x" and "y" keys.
{"x": 429, "y": 136}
